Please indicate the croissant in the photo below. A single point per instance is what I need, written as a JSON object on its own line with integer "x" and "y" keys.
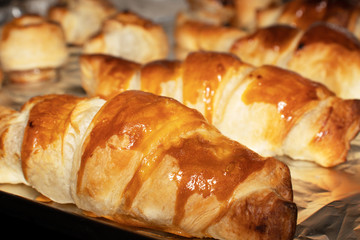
{"x": 324, "y": 52}
{"x": 268, "y": 109}
{"x": 303, "y": 13}
{"x": 108, "y": 157}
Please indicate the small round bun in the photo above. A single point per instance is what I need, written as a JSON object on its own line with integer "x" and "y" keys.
{"x": 32, "y": 44}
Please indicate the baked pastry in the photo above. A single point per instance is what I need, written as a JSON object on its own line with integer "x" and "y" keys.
{"x": 237, "y": 13}
{"x": 130, "y": 36}
{"x": 246, "y": 12}
{"x": 303, "y": 13}
{"x": 107, "y": 157}
{"x": 268, "y": 109}
{"x": 210, "y": 11}
{"x": 81, "y": 19}
{"x": 324, "y": 53}
{"x": 32, "y": 48}
{"x": 191, "y": 35}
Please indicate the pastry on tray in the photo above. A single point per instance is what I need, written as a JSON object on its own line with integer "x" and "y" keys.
{"x": 324, "y": 52}
{"x": 130, "y": 36}
{"x": 108, "y": 157}
{"x": 32, "y": 48}
{"x": 81, "y": 19}
{"x": 271, "y": 110}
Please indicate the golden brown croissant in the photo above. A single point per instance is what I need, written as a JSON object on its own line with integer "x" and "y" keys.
{"x": 270, "y": 110}
{"x": 324, "y": 52}
{"x": 303, "y": 13}
{"x": 108, "y": 157}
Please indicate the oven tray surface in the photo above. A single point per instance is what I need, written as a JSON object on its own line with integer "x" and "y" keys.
{"x": 328, "y": 200}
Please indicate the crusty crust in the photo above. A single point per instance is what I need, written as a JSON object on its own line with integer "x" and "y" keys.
{"x": 130, "y": 36}
{"x": 271, "y": 110}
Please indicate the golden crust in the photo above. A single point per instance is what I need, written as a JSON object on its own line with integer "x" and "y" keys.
{"x": 129, "y": 36}
{"x": 255, "y": 106}
{"x": 324, "y": 53}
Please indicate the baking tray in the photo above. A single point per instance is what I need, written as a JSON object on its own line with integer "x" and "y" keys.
{"x": 328, "y": 199}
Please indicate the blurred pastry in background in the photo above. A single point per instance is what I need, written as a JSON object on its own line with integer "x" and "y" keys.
{"x": 191, "y": 36}
{"x": 81, "y": 19}
{"x": 303, "y": 13}
{"x": 31, "y": 49}
{"x": 237, "y": 13}
{"x": 130, "y": 36}
{"x": 210, "y": 11}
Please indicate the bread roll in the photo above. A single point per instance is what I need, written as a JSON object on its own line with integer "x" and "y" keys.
{"x": 81, "y": 19}
{"x": 31, "y": 48}
{"x": 130, "y": 36}
{"x": 270, "y": 110}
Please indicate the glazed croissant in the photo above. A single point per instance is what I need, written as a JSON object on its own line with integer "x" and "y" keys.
{"x": 303, "y": 13}
{"x": 268, "y": 109}
{"x": 324, "y": 52}
{"x": 149, "y": 161}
